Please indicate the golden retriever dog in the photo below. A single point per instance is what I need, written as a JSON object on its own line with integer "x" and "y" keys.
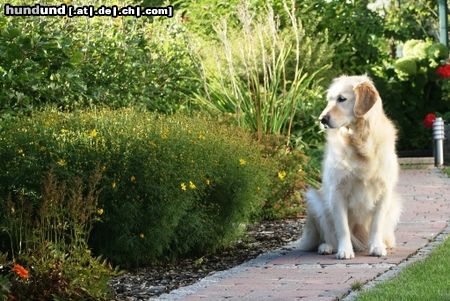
{"x": 357, "y": 206}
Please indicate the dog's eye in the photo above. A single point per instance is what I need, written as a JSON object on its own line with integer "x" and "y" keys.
{"x": 341, "y": 98}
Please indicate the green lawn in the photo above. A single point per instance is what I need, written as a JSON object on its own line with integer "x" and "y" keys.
{"x": 425, "y": 280}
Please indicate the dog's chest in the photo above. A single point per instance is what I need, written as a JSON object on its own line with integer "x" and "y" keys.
{"x": 362, "y": 195}
{"x": 346, "y": 161}
{"x": 352, "y": 176}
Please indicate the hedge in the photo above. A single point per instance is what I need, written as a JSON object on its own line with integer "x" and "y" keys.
{"x": 170, "y": 186}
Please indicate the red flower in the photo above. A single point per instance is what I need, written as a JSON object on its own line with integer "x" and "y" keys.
{"x": 444, "y": 71}
{"x": 20, "y": 271}
{"x": 429, "y": 119}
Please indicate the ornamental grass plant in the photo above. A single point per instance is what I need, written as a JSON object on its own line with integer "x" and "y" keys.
{"x": 264, "y": 74}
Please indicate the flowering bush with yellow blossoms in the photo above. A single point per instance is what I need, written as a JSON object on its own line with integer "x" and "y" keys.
{"x": 170, "y": 186}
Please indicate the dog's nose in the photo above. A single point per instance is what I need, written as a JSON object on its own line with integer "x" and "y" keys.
{"x": 325, "y": 119}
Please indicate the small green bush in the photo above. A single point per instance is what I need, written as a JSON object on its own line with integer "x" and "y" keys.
{"x": 170, "y": 186}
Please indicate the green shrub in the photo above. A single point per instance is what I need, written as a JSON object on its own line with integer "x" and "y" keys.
{"x": 82, "y": 62}
{"x": 170, "y": 185}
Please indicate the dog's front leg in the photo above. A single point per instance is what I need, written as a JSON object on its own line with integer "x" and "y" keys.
{"x": 340, "y": 216}
{"x": 376, "y": 244}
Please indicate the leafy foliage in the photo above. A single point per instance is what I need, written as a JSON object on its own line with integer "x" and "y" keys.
{"x": 405, "y": 20}
{"x": 85, "y": 62}
{"x": 352, "y": 26}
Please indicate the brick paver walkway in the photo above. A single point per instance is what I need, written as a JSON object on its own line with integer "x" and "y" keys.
{"x": 290, "y": 274}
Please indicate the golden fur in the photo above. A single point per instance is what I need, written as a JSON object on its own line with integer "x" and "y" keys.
{"x": 357, "y": 206}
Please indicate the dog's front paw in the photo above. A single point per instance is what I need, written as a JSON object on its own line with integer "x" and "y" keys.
{"x": 325, "y": 249}
{"x": 377, "y": 250}
{"x": 345, "y": 253}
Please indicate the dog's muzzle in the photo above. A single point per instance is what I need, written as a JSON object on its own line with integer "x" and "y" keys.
{"x": 325, "y": 120}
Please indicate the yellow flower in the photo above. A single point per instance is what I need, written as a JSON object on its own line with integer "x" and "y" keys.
{"x": 100, "y": 211}
{"x": 192, "y": 185}
{"x": 242, "y": 162}
{"x": 20, "y": 152}
{"x": 103, "y": 167}
{"x": 114, "y": 184}
{"x": 133, "y": 179}
{"x": 142, "y": 235}
{"x": 183, "y": 186}
{"x": 281, "y": 175}
{"x": 208, "y": 182}
{"x": 165, "y": 133}
{"x": 61, "y": 162}
{"x": 93, "y": 133}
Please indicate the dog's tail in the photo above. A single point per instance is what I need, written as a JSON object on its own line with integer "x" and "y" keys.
{"x": 311, "y": 231}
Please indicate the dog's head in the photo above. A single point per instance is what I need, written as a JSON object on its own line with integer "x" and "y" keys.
{"x": 349, "y": 98}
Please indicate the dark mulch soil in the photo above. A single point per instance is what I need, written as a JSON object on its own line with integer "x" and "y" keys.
{"x": 143, "y": 283}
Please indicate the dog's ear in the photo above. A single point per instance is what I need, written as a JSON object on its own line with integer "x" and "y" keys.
{"x": 366, "y": 96}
